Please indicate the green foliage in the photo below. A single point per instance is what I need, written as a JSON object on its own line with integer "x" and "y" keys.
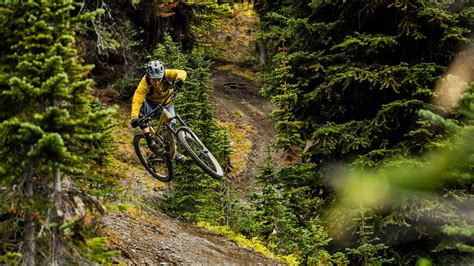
{"x": 10, "y": 258}
{"x": 353, "y": 83}
{"x": 283, "y": 216}
{"x": 351, "y": 61}
{"x": 368, "y": 252}
{"x": 195, "y": 195}
{"x": 207, "y": 16}
{"x": 425, "y": 198}
{"x": 49, "y": 119}
{"x": 96, "y": 250}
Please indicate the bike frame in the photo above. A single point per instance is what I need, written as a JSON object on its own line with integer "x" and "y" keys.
{"x": 166, "y": 118}
{"x": 187, "y": 139}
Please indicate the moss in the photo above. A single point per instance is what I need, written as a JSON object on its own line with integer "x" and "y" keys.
{"x": 253, "y": 244}
{"x": 245, "y": 73}
{"x": 240, "y": 143}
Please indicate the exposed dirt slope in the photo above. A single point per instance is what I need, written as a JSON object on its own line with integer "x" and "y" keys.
{"x": 151, "y": 238}
{"x": 236, "y": 99}
{"x": 147, "y": 237}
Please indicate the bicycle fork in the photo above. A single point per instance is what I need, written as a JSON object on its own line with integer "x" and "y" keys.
{"x": 205, "y": 150}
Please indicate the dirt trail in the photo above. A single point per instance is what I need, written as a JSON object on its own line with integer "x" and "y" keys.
{"x": 145, "y": 236}
{"x": 148, "y": 237}
{"x": 152, "y": 238}
{"x": 237, "y": 99}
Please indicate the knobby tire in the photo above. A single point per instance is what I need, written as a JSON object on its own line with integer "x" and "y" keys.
{"x": 149, "y": 160}
{"x": 200, "y": 154}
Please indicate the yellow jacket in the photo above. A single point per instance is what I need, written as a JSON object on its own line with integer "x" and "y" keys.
{"x": 159, "y": 94}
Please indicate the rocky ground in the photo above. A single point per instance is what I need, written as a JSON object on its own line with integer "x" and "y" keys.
{"x": 152, "y": 238}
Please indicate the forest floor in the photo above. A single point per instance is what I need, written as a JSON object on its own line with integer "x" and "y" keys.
{"x": 238, "y": 102}
{"x": 146, "y": 236}
{"x": 152, "y": 238}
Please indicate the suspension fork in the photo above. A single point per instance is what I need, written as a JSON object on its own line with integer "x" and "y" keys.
{"x": 192, "y": 133}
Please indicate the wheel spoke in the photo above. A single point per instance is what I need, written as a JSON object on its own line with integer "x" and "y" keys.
{"x": 202, "y": 153}
{"x": 199, "y": 153}
{"x": 158, "y": 166}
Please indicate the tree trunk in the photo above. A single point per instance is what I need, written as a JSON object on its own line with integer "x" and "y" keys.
{"x": 263, "y": 53}
{"x": 57, "y": 217}
{"x": 28, "y": 248}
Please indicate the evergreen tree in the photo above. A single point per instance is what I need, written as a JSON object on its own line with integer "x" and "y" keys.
{"x": 349, "y": 81}
{"x": 195, "y": 195}
{"x": 50, "y": 131}
{"x": 367, "y": 251}
{"x": 354, "y": 87}
{"x": 277, "y": 217}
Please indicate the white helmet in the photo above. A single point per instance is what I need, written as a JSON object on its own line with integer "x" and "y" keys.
{"x": 155, "y": 69}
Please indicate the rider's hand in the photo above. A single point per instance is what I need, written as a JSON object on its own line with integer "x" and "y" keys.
{"x": 178, "y": 83}
{"x": 134, "y": 122}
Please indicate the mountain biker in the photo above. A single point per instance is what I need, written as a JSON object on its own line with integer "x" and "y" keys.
{"x": 152, "y": 90}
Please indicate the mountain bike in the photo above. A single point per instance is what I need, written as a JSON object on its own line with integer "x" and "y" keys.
{"x": 160, "y": 166}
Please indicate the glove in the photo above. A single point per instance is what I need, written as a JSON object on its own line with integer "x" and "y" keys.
{"x": 178, "y": 83}
{"x": 134, "y": 122}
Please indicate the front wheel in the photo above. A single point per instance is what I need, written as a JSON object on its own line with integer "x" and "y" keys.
{"x": 160, "y": 167}
{"x": 199, "y": 153}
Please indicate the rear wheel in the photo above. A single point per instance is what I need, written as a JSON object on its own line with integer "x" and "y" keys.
{"x": 200, "y": 154}
{"x": 160, "y": 167}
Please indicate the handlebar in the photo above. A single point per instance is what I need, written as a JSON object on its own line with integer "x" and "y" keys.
{"x": 144, "y": 120}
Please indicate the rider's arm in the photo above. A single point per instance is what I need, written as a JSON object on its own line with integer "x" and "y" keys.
{"x": 139, "y": 97}
{"x": 173, "y": 74}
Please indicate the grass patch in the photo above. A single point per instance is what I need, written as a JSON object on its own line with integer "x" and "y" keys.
{"x": 245, "y": 73}
{"x": 124, "y": 164}
{"x": 253, "y": 244}
{"x": 237, "y": 113}
{"x": 241, "y": 145}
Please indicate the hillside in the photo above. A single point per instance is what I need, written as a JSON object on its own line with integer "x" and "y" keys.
{"x": 146, "y": 236}
{"x": 142, "y": 233}
{"x": 150, "y": 237}
{"x": 343, "y": 130}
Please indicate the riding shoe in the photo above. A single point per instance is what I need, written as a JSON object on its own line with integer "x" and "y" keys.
{"x": 159, "y": 151}
{"x": 154, "y": 147}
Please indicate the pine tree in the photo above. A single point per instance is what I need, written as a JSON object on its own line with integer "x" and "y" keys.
{"x": 368, "y": 251}
{"x": 381, "y": 60}
{"x": 50, "y": 129}
{"x": 349, "y": 80}
{"x": 195, "y": 195}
